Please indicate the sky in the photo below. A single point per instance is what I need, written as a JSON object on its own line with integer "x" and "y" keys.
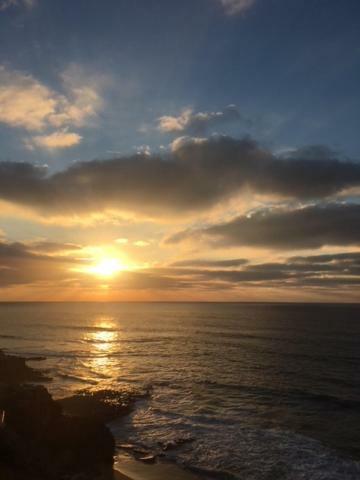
{"x": 193, "y": 150}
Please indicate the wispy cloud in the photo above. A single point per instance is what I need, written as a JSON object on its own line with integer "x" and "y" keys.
{"x": 198, "y": 123}
{"x": 5, "y": 4}
{"x": 207, "y": 263}
{"x": 141, "y": 243}
{"x": 50, "y": 264}
{"x": 55, "y": 140}
{"x": 314, "y": 271}
{"x": 28, "y": 104}
{"x": 83, "y": 99}
{"x": 235, "y": 7}
{"x": 23, "y": 263}
{"x": 25, "y": 102}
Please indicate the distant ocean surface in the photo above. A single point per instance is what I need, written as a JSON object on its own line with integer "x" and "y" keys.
{"x": 239, "y": 391}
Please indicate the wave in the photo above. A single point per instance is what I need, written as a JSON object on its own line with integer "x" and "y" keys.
{"x": 296, "y": 394}
{"x": 234, "y": 452}
{"x": 66, "y": 376}
{"x": 84, "y": 328}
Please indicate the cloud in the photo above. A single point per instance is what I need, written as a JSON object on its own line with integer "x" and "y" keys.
{"x": 235, "y": 7}
{"x": 346, "y": 257}
{"x": 334, "y": 270}
{"x": 83, "y": 100}
{"x": 312, "y": 226}
{"x": 22, "y": 263}
{"x": 205, "y": 263}
{"x": 27, "y": 103}
{"x": 193, "y": 178}
{"x": 51, "y": 247}
{"x": 143, "y": 149}
{"x": 141, "y": 243}
{"x": 122, "y": 241}
{"x": 181, "y": 142}
{"x": 198, "y": 123}
{"x": 60, "y": 139}
{"x": 150, "y": 280}
{"x": 52, "y": 263}
{"x": 5, "y": 4}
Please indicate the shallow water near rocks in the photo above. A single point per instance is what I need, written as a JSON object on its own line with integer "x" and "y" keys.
{"x": 238, "y": 391}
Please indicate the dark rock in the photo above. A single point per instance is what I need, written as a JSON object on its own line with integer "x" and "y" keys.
{"x": 81, "y": 445}
{"x": 104, "y": 405}
{"x": 14, "y": 370}
{"x": 39, "y": 442}
{"x": 29, "y": 409}
{"x": 172, "y": 444}
{"x": 140, "y": 452}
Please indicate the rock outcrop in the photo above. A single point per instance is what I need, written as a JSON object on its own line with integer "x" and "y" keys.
{"x": 13, "y": 370}
{"x": 38, "y": 441}
{"x": 104, "y": 405}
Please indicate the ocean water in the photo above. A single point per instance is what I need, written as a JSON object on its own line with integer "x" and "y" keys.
{"x": 237, "y": 391}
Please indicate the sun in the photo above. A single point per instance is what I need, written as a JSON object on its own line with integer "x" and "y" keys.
{"x": 107, "y": 267}
{"x": 103, "y": 262}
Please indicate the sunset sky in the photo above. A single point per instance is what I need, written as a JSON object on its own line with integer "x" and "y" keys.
{"x": 180, "y": 150}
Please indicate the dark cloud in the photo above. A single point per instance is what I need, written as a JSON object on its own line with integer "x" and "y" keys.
{"x": 308, "y": 227}
{"x": 19, "y": 264}
{"x": 340, "y": 271}
{"x": 235, "y": 262}
{"x": 348, "y": 257}
{"x": 27, "y": 264}
{"x": 13, "y": 251}
{"x": 38, "y": 250}
{"x": 195, "y": 176}
{"x": 53, "y": 247}
{"x": 247, "y": 275}
{"x": 148, "y": 280}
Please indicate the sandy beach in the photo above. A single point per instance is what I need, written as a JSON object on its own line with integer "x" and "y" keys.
{"x": 129, "y": 469}
{"x": 120, "y": 476}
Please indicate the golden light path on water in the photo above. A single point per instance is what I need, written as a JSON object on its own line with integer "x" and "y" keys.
{"x": 104, "y": 341}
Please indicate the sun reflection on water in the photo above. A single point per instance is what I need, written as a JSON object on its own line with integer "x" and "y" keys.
{"x": 104, "y": 342}
{"x": 103, "y": 339}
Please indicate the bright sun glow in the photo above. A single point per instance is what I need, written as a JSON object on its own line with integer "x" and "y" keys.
{"x": 104, "y": 262}
{"x": 107, "y": 267}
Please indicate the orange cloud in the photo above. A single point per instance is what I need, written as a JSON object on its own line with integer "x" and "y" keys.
{"x": 60, "y": 139}
{"x": 27, "y": 103}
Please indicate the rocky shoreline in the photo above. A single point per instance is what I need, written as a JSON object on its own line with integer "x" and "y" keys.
{"x": 45, "y": 439}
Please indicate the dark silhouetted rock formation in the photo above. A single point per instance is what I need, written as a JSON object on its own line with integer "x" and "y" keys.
{"x": 38, "y": 441}
{"x": 104, "y": 405}
{"x": 14, "y": 370}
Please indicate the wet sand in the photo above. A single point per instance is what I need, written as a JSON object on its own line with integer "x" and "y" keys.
{"x": 120, "y": 476}
{"x": 132, "y": 469}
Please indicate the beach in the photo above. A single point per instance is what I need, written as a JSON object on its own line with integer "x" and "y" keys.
{"x": 128, "y": 468}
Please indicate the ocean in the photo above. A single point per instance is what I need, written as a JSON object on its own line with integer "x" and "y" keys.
{"x": 236, "y": 391}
